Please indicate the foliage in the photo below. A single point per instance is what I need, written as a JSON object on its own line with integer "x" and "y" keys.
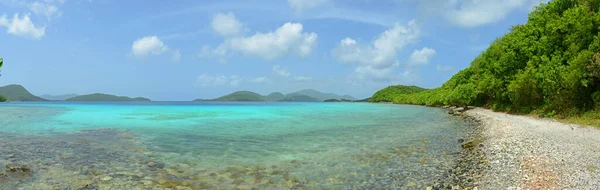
{"x": 387, "y": 94}
{"x": 18, "y": 93}
{"x": 3, "y": 99}
{"x": 105, "y": 97}
{"x": 550, "y": 65}
{"x": 596, "y": 98}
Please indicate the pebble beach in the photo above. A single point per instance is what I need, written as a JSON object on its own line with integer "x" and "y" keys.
{"x": 520, "y": 152}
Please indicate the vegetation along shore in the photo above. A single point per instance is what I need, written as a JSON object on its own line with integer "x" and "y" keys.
{"x": 549, "y": 67}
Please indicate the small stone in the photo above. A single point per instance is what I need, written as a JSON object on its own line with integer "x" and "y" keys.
{"x": 106, "y": 178}
{"x": 429, "y": 188}
{"x": 461, "y": 140}
{"x": 471, "y": 143}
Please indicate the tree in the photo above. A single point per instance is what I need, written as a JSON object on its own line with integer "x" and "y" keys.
{"x": 2, "y": 98}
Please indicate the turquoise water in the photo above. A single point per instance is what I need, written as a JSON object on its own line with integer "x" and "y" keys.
{"x": 226, "y": 145}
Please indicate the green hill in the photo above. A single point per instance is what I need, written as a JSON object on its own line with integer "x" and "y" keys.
{"x": 387, "y": 94}
{"x": 275, "y": 96}
{"x": 18, "y": 93}
{"x": 241, "y": 96}
{"x": 298, "y": 98}
{"x": 105, "y": 97}
{"x": 548, "y": 66}
{"x": 319, "y": 96}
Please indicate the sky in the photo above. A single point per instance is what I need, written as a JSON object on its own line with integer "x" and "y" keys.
{"x": 188, "y": 49}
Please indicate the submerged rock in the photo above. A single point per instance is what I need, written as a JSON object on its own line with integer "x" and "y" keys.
{"x": 471, "y": 143}
{"x": 16, "y": 168}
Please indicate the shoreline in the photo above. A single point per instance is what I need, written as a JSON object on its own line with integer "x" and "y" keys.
{"x": 520, "y": 152}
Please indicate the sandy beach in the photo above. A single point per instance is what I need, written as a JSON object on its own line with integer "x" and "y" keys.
{"x": 530, "y": 153}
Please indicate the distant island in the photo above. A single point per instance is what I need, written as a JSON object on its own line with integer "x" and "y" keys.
{"x": 58, "y": 97}
{"x": 15, "y": 92}
{"x": 105, "y": 97}
{"x": 298, "y": 98}
{"x": 307, "y": 95}
{"x": 336, "y": 100}
{"x": 241, "y": 96}
{"x": 19, "y": 93}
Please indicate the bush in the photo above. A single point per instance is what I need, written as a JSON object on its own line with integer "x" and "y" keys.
{"x": 2, "y": 98}
{"x": 596, "y": 98}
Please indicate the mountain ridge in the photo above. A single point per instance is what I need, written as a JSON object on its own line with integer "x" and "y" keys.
{"x": 105, "y": 97}
{"x": 305, "y": 95}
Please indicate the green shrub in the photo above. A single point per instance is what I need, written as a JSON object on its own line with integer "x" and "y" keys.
{"x": 596, "y": 98}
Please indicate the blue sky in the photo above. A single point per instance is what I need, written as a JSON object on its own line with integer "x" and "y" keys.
{"x": 187, "y": 49}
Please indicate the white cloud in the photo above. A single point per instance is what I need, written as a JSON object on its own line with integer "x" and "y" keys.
{"x": 22, "y": 26}
{"x": 422, "y": 56}
{"x": 234, "y": 80}
{"x": 302, "y": 79}
{"x": 473, "y": 13}
{"x": 148, "y": 45}
{"x": 278, "y": 70}
{"x": 213, "y": 81}
{"x": 378, "y": 60}
{"x": 302, "y": 5}
{"x": 287, "y": 39}
{"x": 176, "y": 56}
{"x": 259, "y": 80}
{"x": 46, "y": 9}
{"x": 443, "y": 68}
{"x": 226, "y": 24}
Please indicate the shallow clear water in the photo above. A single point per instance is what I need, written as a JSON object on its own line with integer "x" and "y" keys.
{"x": 221, "y": 145}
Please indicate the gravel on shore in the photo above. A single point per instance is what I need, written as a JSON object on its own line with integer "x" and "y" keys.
{"x": 529, "y": 153}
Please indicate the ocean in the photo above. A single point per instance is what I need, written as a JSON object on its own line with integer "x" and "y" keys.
{"x": 225, "y": 145}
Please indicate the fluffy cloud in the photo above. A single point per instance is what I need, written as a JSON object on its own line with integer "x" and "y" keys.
{"x": 379, "y": 59}
{"x": 278, "y": 70}
{"x": 148, "y": 45}
{"x": 226, "y": 24}
{"x": 422, "y": 56}
{"x": 301, "y": 5}
{"x": 22, "y": 26}
{"x": 287, "y": 39}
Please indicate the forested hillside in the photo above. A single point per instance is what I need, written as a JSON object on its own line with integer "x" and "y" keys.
{"x": 550, "y": 65}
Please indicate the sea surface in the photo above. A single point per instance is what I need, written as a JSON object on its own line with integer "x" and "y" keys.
{"x": 225, "y": 145}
